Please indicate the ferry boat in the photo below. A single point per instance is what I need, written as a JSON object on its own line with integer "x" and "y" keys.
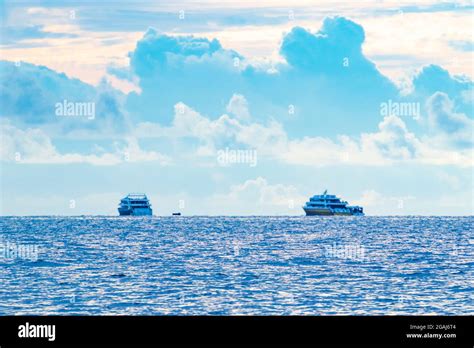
{"x": 135, "y": 204}
{"x": 330, "y": 205}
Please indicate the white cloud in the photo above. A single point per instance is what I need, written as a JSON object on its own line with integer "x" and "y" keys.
{"x": 238, "y": 106}
{"x": 393, "y": 143}
{"x": 450, "y": 127}
{"x": 375, "y": 203}
{"x": 213, "y": 133}
{"x": 133, "y": 153}
{"x": 258, "y": 197}
{"x": 369, "y": 198}
{"x": 457, "y": 202}
{"x": 35, "y": 146}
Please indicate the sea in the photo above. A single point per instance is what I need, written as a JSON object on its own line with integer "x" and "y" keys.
{"x": 99, "y": 265}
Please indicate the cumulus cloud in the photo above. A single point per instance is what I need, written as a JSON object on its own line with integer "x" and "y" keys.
{"x": 257, "y": 197}
{"x": 29, "y": 95}
{"x": 392, "y": 143}
{"x": 325, "y": 76}
{"x": 216, "y": 134}
{"x": 432, "y": 79}
{"x": 155, "y": 51}
{"x": 325, "y": 50}
{"x": 238, "y": 106}
{"x": 29, "y": 92}
{"x": 336, "y": 103}
{"x": 197, "y": 71}
{"x": 393, "y": 140}
{"x": 376, "y": 203}
{"x": 455, "y": 128}
{"x": 33, "y": 146}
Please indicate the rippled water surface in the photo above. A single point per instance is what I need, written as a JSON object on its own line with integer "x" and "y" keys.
{"x": 236, "y": 265}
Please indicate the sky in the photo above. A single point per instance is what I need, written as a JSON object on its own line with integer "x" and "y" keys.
{"x": 236, "y": 108}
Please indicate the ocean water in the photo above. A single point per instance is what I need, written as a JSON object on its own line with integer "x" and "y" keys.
{"x": 236, "y": 265}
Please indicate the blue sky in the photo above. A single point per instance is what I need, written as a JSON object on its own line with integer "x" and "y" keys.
{"x": 372, "y": 101}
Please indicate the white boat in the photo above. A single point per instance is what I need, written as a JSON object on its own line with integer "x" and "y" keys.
{"x": 330, "y": 205}
{"x": 135, "y": 204}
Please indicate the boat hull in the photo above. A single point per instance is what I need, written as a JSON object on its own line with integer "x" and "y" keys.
{"x": 327, "y": 212}
{"x": 321, "y": 212}
{"x": 135, "y": 212}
